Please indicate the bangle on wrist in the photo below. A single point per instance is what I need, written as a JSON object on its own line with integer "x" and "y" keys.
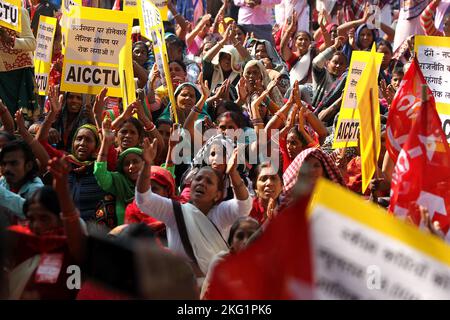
{"x": 257, "y": 121}
{"x": 150, "y": 127}
{"x": 281, "y": 116}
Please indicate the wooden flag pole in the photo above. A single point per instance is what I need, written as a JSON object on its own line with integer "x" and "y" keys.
{"x": 424, "y": 93}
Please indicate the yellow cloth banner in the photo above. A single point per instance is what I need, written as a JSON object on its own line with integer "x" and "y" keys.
{"x": 43, "y": 54}
{"x": 10, "y": 15}
{"x": 347, "y": 129}
{"x": 150, "y": 20}
{"x": 94, "y": 41}
{"x": 361, "y": 252}
{"x": 369, "y": 111}
{"x": 433, "y": 54}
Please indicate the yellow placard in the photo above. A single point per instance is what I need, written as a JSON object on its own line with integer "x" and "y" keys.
{"x": 163, "y": 9}
{"x": 64, "y": 22}
{"x": 362, "y": 252}
{"x": 347, "y": 129}
{"x": 150, "y": 20}
{"x": 94, "y": 41}
{"x": 369, "y": 110}
{"x": 127, "y": 85}
{"x": 11, "y": 15}
{"x": 433, "y": 54}
{"x": 131, "y": 6}
{"x": 43, "y": 54}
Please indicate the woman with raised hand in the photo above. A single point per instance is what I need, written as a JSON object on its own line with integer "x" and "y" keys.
{"x": 268, "y": 185}
{"x": 224, "y": 61}
{"x": 85, "y": 190}
{"x": 298, "y": 57}
{"x": 197, "y": 229}
{"x": 121, "y": 182}
{"x": 254, "y": 82}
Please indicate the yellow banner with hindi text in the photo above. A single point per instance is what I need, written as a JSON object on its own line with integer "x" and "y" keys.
{"x": 346, "y": 133}
{"x": 95, "y": 38}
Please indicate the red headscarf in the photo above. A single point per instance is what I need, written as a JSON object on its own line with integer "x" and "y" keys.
{"x": 164, "y": 178}
{"x": 134, "y": 215}
{"x": 290, "y": 176}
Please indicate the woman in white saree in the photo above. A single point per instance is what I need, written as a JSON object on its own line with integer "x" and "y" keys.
{"x": 207, "y": 219}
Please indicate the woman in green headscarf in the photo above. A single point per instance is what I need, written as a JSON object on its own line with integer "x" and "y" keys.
{"x": 84, "y": 188}
{"x": 120, "y": 183}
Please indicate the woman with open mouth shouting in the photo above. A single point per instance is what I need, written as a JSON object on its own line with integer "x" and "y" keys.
{"x": 85, "y": 190}
{"x": 195, "y": 230}
{"x": 120, "y": 183}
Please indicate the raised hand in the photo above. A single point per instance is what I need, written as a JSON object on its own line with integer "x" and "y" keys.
{"x": 204, "y": 86}
{"x": 339, "y": 42}
{"x": 351, "y": 38}
{"x": 139, "y": 110}
{"x": 205, "y": 19}
{"x": 222, "y": 91}
{"x": 242, "y": 89}
{"x": 60, "y": 169}
{"x": 257, "y": 103}
{"x": 292, "y": 23}
{"x": 174, "y": 135}
{"x": 55, "y": 101}
{"x": 154, "y": 75}
{"x": 387, "y": 91}
{"x": 272, "y": 84}
{"x": 232, "y": 163}
{"x": 297, "y": 95}
{"x": 150, "y": 150}
{"x": 20, "y": 122}
{"x": 129, "y": 111}
{"x": 367, "y": 13}
{"x": 291, "y": 117}
{"x": 271, "y": 208}
{"x": 100, "y": 101}
{"x": 108, "y": 135}
{"x": 301, "y": 119}
{"x": 229, "y": 33}
{"x": 209, "y": 124}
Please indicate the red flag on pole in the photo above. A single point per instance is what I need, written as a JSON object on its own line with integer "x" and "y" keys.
{"x": 276, "y": 266}
{"x": 404, "y": 109}
{"x": 422, "y": 171}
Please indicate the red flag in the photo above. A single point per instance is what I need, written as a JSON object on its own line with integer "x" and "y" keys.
{"x": 404, "y": 109}
{"x": 275, "y": 266}
{"x": 422, "y": 172}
